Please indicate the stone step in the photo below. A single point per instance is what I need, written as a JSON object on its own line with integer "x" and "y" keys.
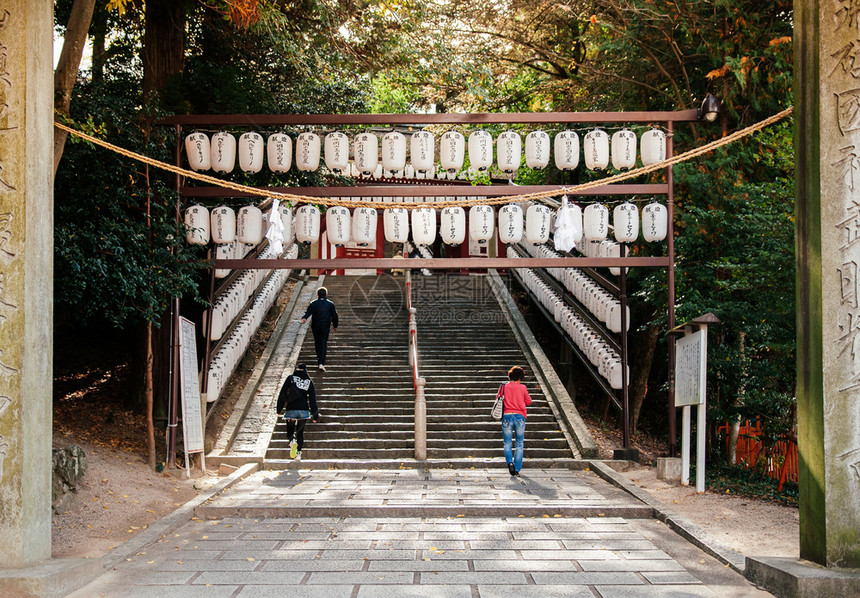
{"x": 366, "y": 443}
{"x": 366, "y": 396}
{"x": 309, "y": 451}
{"x": 495, "y": 462}
{"x": 362, "y": 430}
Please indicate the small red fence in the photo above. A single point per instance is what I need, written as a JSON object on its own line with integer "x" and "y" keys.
{"x": 780, "y": 461}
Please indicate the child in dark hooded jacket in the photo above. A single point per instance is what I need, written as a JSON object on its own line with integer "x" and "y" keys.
{"x": 297, "y": 403}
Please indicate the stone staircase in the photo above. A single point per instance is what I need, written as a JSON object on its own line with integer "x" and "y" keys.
{"x": 466, "y": 348}
{"x": 366, "y": 397}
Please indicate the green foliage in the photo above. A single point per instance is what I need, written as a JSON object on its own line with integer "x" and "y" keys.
{"x": 740, "y": 481}
{"x": 387, "y": 98}
{"x": 119, "y": 253}
{"x": 735, "y": 254}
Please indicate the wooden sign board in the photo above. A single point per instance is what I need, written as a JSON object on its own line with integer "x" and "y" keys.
{"x": 690, "y": 369}
{"x": 192, "y": 417}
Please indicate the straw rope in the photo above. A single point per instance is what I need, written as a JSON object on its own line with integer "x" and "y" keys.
{"x": 573, "y": 190}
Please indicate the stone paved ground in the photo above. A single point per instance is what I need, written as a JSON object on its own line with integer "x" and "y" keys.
{"x": 365, "y": 552}
{"x": 425, "y": 492}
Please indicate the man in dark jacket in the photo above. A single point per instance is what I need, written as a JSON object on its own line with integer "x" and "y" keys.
{"x": 323, "y": 317}
{"x": 297, "y": 403}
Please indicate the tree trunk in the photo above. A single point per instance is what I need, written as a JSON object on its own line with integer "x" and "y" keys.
{"x": 640, "y": 371}
{"x": 99, "y": 41}
{"x": 148, "y": 390}
{"x": 68, "y": 65}
{"x": 734, "y": 432}
{"x": 163, "y": 44}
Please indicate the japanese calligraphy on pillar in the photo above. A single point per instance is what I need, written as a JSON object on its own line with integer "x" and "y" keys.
{"x": 840, "y": 122}
{"x": 10, "y": 278}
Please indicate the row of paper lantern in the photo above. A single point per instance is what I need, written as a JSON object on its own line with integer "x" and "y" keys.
{"x": 223, "y": 226}
{"x": 230, "y": 302}
{"x": 592, "y": 224}
{"x": 598, "y": 351}
{"x": 598, "y": 148}
{"x": 229, "y": 354}
{"x": 604, "y": 305}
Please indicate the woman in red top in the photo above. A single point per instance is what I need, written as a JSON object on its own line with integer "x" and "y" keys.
{"x": 514, "y": 417}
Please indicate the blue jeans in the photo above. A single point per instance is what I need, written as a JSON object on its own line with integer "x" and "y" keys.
{"x": 514, "y": 423}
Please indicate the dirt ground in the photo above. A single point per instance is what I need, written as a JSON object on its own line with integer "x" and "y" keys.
{"x": 749, "y": 526}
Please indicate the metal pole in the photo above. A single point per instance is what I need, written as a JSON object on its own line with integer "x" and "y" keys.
{"x": 420, "y": 421}
{"x": 685, "y": 444}
{"x": 625, "y": 391}
{"x": 670, "y": 290}
{"x": 413, "y": 346}
{"x": 173, "y": 395}
{"x": 701, "y": 425}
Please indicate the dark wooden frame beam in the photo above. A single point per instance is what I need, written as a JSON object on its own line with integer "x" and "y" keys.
{"x": 458, "y": 263}
{"x": 561, "y": 118}
{"x": 428, "y": 191}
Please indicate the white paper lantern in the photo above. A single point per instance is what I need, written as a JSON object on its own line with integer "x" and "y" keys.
{"x": 481, "y": 223}
{"x": 307, "y": 224}
{"x": 396, "y": 225}
{"x": 625, "y": 218}
{"x": 366, "y": 153}
{"x": 223, "y": 156}
{"x": 198, "y": 151}
{"x": 611, "y": 249}
{"x": 251, "y": 149}
{"x": 576, "y": 217}
{"x": 596, "y": 149}
{"x": 538, "y": 223}
{"x": 452, "y": 151}
{"x": 509, "y": 150}
{"x": 308, "y": 152}
{"x": 286, "y": 213}
{"x": 394, "y": 152}
{"x": 424, "y": 225}
{"x": 624, "y": 149}
{"x": 510, "y": 224}
{"x": 653, "y": 147}
{"x": 595, "y": 222}
{"x": 337, "y": 152}
{"x": 566, "y": 150}
{"x": 197, "y": 221}
{"x": 409, "y": 172}
{"x": 364, "y": 222}
{"x": 654, "y": 222}
{"x": 279, "y": 152}
{"x": 423, "y": 152}
{"x": 223, "y": 225}
{"x": 223, "y": 252}
{"x": 338, "y": 225}
{"x": 480, "y": 150}
{"x": 537, "y": 150}
{"x": 249, "y": 225}
{"x": 452, "y": 225}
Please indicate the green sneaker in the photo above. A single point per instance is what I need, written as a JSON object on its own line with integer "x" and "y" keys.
{"x": 294, "y": 449}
